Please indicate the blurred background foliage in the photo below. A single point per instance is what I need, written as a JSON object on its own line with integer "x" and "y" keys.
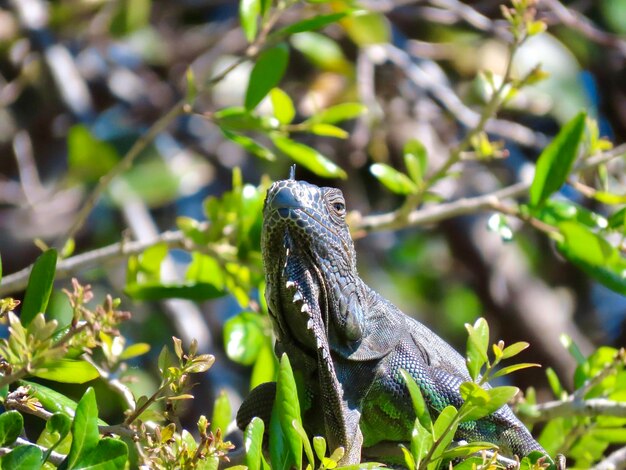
{"x": 138, "y": 138}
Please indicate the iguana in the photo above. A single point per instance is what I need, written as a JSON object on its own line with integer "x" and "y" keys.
{"x": 349, "y": 343}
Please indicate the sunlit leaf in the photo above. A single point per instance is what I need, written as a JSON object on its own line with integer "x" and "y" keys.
{"x": 308, "y": 157}
{"x": 283, "y": 106}
{"x": 39, "y": 286}
{"x": 134, "y": 350}
{"x": 416, "y": 160}
{"x": 221, "y": 413}
{"x": 244, "y": 336}
{"x": 594, "y": 255}
{"x": 88, "y": 157}
{"x": 366, "y": 28}
{"x": 477, "y": 346}
{"x": 249, "y": 144}
{"x": 84, "y": 428}
{"x": 419, "y": 405}
{"x": 329, "y": 130}
{"x": 11, "y": 424}
{"x": 28, "y": 457}
{"x": 513, "y": 368}
{"x": 556, "y": 160}
{"x": 310, "y": 24}
{"x": 393, "y": 180}
{"x": 286, "y": 410}
{"x": 253, "y": 442}
{"x": 67, "y": 371}
{"x": 249, "y": 11}
{"x": 322, "y": 51}
{"x": 338, "y": 113}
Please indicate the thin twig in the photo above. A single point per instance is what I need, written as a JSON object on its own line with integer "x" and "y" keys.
{"x": 12, "y": 404}
{"x": 67, "y": 267}
{"x": 449, "y": 100}
{"x": 615, "y": 461}
{"x": 464, "y": 206}
{"x": 585, "y": 26}
{"x": 124, "y": 164}
{"x": 572, "y": 407}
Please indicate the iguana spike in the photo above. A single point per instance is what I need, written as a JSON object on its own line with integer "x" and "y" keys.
{"x": 292, "y": 172}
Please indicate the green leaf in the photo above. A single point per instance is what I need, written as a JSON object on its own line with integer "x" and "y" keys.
{"x": 39, "y": 286}
{"x": 221, "y": 413}
{"x": 134, "y": 350}
{"x": 84, "y": 429}
{"x": 266, "y": 74}
{"x": 419, "y": 405}
{"x": 305, "y": 441}
{"x": 513, "y": 368}
{"x": 555, "y": 383}
{"x": 56, "y": 431}
{"x": 11, "y": 424}
{"x": 553, "y": 212}
{"x": 366, "y": 28}
{"x": 477, "y": 346}
{"x": 617, "y": 220}
{"x": 556, "y": 160}
{"x": 244, "y": 336}
{"x": 109, "y": 454}
{"x": 287, "y": 407}
{"x": 283, "y": 106}
{"x": 416, "y": 160}
{"x": 250, "y": 145}
{"x": 569, "y": 344}
{"x": 319, "y": 444}
{"x": 308, "y": 157}
{"x": 182, "y": 290}
{"x": 69, "y": 371}
{"x": 514, "y": 349}
{"x": 249, "y": 11}
{"x": 338, "y": 113}
{"x": 236, "y": 118}
{"x": 52, "y": 400}
{"x": 444, "y": 429}
{"x": 594, "y": 255}
{"x": 421, "y": 441}
{"x": 393, "y": 180}
{"x": 27, "y": 457}
{"x": 253, "y": 443}
{"x": 609, "y": 198}
{"x": 329, "y": 130}
{"x": 310, "y": 24}
{"x": 265, "y": 366}
{"x": 466, "y": 450}
{"x": 89, "y": 158}
{"x": 206, "y": 269}
{"x": 323, "y": 52}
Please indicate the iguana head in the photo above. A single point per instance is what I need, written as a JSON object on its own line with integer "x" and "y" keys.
{"x": 310, "y": 263}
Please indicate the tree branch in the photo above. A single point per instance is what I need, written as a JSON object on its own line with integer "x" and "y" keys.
{"x": 120, "y": 250}
{"x": 437, "y": 213}
{"x": 615, "y": 461}
{"x": 575, "y": 407}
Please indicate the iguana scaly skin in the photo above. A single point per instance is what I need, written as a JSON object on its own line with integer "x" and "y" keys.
{"x": 347, "y": 342}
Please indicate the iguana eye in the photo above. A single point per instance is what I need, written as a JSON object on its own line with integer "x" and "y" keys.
{"x": 339, "y": 207}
